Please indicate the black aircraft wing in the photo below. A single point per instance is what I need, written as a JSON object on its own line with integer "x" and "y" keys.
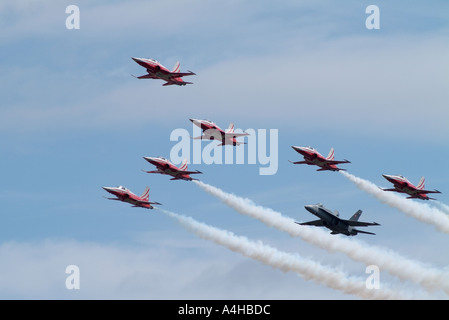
{"x": 360, "y": 223}
{"x": 360, "y": 231}
{"x": 317, "y": 223}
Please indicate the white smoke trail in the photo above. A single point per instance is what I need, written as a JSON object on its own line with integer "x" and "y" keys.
{"x": 387, "y": 260}
{"x": 419, "y": 211}
{"x": 443, "y": 206}
{"x": 284, "y": 261}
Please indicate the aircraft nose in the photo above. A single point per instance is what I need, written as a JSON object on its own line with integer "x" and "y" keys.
{"x": 139, "y": 61}
{"x": 108, "y": 189}
{"x": 297, "y": 148}
{"x": 309, "y": 208}
{"x": 151, "y": 159}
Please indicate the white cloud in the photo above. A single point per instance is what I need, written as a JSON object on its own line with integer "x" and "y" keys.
{"x": 37, "y": 271}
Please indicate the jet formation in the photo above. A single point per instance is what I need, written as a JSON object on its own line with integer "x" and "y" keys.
{"x": 327, "y": 218}
{"x": 211, "y": 131}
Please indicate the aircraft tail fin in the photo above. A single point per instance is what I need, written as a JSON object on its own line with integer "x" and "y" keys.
{"x": 146, "y": 194}
{"x": 230, "y": 129}
{"x": 177, "y": 67}
{"x": 183, "y": 166}
{"x": 330, "y": 156}
{"x": 420, "y": 185}
{"x": 356, "y": 216}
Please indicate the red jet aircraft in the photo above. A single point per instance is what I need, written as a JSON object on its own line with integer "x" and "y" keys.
{"x": 125, "y": 195}
{"x": 213, "y": 132}
{"x": 402, "y": 185}
{"x": 157, "y": 71}
{"x": 166, "y": 167}
{"x": 313, "y": 157}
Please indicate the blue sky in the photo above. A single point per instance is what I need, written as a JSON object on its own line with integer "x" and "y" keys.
{"x": 72, "y": 120}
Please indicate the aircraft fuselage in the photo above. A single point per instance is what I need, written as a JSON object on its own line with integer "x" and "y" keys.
{"x": 330, "y": 220}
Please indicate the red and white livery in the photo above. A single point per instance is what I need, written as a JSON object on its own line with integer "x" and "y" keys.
{"x": 125, "y": 195}
{"x": 166, "y": 167}
{"x": 402, "y": 185}
{"x": 157, "y": 71}
{"x": 313, "y": 157}
{"x": 213, "y": 132}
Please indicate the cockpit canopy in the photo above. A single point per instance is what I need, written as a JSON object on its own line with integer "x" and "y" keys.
{"x": 154, "y": 60}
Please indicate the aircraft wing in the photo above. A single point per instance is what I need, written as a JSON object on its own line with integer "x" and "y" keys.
{"x": 141, "y": 201}
{"x": 360, "y": 231}
{"x": 337, "y": 161}
{"x": 207, "y": 137}
{"x": 428, "y": 191}
{"x": 155, "y": 171}
{"x": 200, "y": 138}
{"x": 360, "y": 223}
{"x": 190, "y": 172}
{"x": 146, "y": 76}
{"x": 111, "y": 198}
{"x": 298, "y": 162}
{"x": 317, "y": 223}
{"x": 234, "y": 134}
{"x": 181, "y": 74}
{"x": 388, "y": 189}
{"x": 146, "y": 202}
